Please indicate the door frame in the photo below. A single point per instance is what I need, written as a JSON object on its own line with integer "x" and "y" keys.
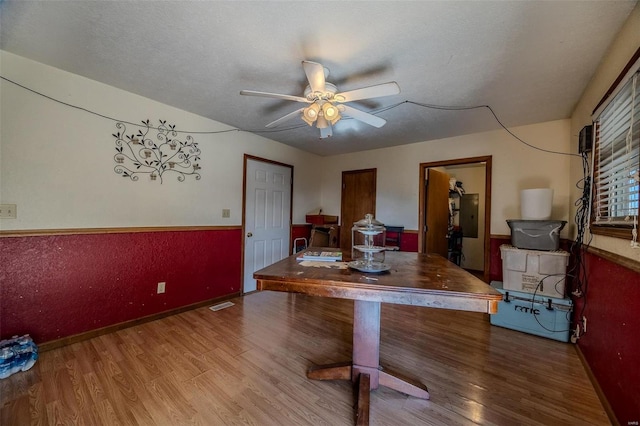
{"x": 487, "y": 160}
{"x": 246, "y": 158}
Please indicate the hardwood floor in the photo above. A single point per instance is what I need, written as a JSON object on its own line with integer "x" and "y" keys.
{"x": 246, "y": 365}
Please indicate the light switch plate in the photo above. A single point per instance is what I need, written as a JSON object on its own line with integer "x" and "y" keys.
{"x": 8, "y": 211}
{"x": 226, "y": 213}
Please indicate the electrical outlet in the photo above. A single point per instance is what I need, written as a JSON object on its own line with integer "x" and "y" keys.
{"x": 584, "y": 324}
{"x": 161, "y": 287}
{"x": 226, "y": 213}
{"x": 8, "y": 211}
{"x": 576, "y": 334}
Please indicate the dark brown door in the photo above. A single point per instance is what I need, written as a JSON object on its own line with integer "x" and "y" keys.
{"x": 437, "y": 212}
{"x": 358, "y": 199}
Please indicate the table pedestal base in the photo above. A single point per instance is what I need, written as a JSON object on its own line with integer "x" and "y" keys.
{"x": 364, "y": 370}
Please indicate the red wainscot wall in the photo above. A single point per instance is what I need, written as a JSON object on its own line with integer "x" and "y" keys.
{"x": 300, "y": 231}
{"x": 55, "y": 286}
{"x": 409, "y": 241}
{"x": 611, "y": 345}
{"x": 495, "y": 266}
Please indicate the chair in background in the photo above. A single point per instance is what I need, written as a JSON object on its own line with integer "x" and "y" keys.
{"x": 393, "y": 240}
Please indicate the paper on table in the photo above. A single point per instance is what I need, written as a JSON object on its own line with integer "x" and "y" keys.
{"x": 322, "y": 264}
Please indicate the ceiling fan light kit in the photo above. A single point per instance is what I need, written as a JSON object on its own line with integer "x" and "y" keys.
{"x": 310, "y": 114}
{"x": 326, "y": 107}
{"x": 330, "y": 113}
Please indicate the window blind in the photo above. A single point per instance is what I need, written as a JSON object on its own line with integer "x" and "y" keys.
{"x": 617, "y": 158}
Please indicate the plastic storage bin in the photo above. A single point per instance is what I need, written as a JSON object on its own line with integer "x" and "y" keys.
{"x": 542, "y": 316}
{"x": 536, "y": 234}
{"x": 534, "y": 271}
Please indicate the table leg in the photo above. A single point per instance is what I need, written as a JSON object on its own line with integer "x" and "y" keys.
{"x": 362, "y": 405}
{"x": 403, "y": 384}
{"x": 364, "y": 370}
{"x": 337, "y": 371}
{"x": 366, "y": 340}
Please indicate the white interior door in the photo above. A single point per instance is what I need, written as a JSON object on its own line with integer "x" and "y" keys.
{"x": 267, "y": 217}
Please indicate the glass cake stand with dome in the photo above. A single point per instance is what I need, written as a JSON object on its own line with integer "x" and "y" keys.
{"x": 367, "y": 253}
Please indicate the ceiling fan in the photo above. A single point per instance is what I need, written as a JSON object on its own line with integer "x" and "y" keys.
{"x": 326, "y": 106}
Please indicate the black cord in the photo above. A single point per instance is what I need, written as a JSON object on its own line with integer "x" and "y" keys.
{"x": 106, "y": 116}
{"x": 533, "y": 301}
{"x": 579, "y": 247}
{"x": 284, "y": 129}
{"x": 495, "y": 116}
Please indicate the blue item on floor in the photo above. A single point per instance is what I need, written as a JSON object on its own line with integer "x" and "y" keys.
{"x": 545, "y": 316}
{"x": 17, "y": 354}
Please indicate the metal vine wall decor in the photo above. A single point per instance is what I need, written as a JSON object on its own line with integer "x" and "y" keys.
{"x": 139, "y": 155}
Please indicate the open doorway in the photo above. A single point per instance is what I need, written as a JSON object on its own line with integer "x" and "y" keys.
{"x": 469, "y": 169}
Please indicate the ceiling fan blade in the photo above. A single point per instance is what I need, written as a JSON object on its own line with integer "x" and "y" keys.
{"x": 379, "y": 90}
{"x": 274, "y": 95}
{"x": 294, "y": 114}
{"x": 365, "y": 117}
{"x": 326, "y": 132}
{"x": 315, "y": 75}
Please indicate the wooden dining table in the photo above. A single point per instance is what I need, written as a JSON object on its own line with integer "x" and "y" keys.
{"x": 427, "y": 280}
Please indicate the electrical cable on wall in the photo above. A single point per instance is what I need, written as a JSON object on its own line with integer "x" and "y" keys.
{"x": 495, "y": 116}
{"x": 375, "y": 112}
{"x": 106, "y": 116}
{"x": 533, "y": 302}
{"x": 579, "y": 247}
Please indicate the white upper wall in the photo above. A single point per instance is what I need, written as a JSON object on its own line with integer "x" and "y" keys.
{"x": 515, "y": 167}
{"x": 57, "y": 162}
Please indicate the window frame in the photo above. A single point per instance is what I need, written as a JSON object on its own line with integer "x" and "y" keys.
{"x": 618, "y": 230}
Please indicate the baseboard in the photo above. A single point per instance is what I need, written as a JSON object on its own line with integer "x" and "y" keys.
{"x": 597, "y": 388}
{"x": 58, "y": 343}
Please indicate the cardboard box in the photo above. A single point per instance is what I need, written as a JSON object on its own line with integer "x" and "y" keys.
{"x": 321, "y": 219}
{"x": 534, "y": 271}
{"x": 325, "y": 237}
{"x": 539, "y": 315}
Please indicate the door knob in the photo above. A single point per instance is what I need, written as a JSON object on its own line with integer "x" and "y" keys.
{"x": 249, "y": 234}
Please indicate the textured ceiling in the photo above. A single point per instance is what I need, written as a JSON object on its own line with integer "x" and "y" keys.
{"x": 528, "y": 60}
